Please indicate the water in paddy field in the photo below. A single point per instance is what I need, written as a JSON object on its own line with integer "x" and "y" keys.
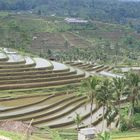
{"x": 40, "y": 63}
{"x": 58, "y": 66}
{"x": 109, "y": 74}
{"x": 2, "y": 55}
{"x": 15, "y": 58}
{"x": 19, "y": 102}
{"x": 28, "y": 60}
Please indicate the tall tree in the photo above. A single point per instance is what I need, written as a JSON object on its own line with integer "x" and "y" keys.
{"x": 104, "y": 96}
{"x": 119, "y": 87}
{"x": 90, "y": 85}
{"x": 133, "y": 81}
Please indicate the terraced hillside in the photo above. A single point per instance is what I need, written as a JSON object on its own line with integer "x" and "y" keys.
{"x": 45, "y": 41}
{"x": 57, "y": 41}
{"x": 50, "y": 109}
{"x": 94, "y": 69}
{"x": 76, "y": 41}
{"x": 53, "y": 37}
{"x": 24, "y": 72}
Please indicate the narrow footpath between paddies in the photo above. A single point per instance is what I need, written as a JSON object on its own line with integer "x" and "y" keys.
{"x": 129, "y": 138}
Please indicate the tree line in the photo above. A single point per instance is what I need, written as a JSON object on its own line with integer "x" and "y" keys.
{"x": 109, "y": 10}
{"x": 109, "y": 93}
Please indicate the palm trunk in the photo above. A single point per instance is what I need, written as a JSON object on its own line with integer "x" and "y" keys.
{"x": 77, "y": 127}
{"x": 103, "y": 118}
{"x": 119, "y": 104}
{"x": 119, "y": 108}
{"x": 133, "y": 105}
{"x": 91, "y": 108}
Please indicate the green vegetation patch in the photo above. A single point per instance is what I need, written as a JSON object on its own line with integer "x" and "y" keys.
{"x": 11, "y": 135}
{"x": 127, "y": 134}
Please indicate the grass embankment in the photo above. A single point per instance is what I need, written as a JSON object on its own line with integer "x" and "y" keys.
{"x": 14, "y": 136}
{"x": 126, "y": 135}
{"x": 38, "y": 91}
{"x": 72, "y": 134}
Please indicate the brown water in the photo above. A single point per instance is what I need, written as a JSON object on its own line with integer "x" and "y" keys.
{"x": 66, "y": 109}
{"x": 35, "y": 107}
{"x": 20, "y": 102}
{"x": 82, "y": 110}
{"x": 28, "y": 117}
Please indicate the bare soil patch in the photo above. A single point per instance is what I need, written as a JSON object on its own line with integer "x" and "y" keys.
{"x": 17, "y": 127}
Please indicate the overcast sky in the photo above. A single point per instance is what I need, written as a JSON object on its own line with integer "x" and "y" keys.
{"x": 129, "y": 0}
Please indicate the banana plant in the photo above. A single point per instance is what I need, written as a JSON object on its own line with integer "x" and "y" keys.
{"x": 104, "y": 136}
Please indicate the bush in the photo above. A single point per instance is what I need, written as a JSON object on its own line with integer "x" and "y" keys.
{"x": 55, "y": 135}
{"x": 123, "y": 126}
{"x": 137, "y": 109}
{"x": 126, "y": 124}
{"x": 129, "y": 123}
{"x": 104, "y": 136}
{"x": 136, "y": 120}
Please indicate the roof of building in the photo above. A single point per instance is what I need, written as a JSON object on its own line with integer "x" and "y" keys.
{"x": 75, "y": 20}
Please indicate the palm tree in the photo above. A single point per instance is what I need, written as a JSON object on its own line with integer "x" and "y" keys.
{"x": 104, "y": 96}
{"x": 90, "y": 86}
{"x": 78, "y": 120}
{"x": 119, "y": 87}
{"x": 134, "y": 87}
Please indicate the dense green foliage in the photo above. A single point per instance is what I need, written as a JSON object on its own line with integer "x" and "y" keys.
{"x": 108, "y": 10}
{"x": 104, "y": 136}
{"x": 106, "y": 96}
{"x": 10, "y": 135}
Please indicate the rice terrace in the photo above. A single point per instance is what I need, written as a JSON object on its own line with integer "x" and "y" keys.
{"x": 19, "y": 73}
{"x": 69, "y": 70}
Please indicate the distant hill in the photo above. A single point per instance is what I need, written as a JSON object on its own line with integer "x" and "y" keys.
{"x": 108, "y": 10}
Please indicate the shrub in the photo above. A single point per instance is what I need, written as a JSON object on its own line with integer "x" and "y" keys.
{"x": 123, "y": 126}
{"x": 136, "y": 120}
{"x": 126, "y": 124}
{"x": 137, "y": 109}
{"x": 55, "y": 135}
{"x": 104, "y": 136}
